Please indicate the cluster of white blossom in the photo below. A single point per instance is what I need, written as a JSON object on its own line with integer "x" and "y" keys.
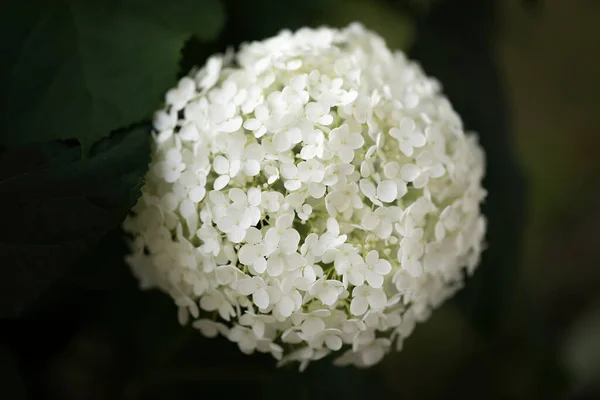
{"x": 312, "y": 193}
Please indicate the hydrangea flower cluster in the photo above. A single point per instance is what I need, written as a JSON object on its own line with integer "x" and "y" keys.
{"x": 313, "y": 193}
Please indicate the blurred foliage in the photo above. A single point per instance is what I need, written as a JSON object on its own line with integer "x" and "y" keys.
{"x": 81, "y": 80}
{"x": 581, "y": 350}
{"x": 61, "y": 205}
{"x": 454, "y": 45}
{"x": 90, "y": 61}
{"x": 392, "y": 23}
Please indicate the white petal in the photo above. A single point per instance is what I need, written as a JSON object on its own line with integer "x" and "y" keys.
{"x": 359, "y": 305}
{"x": 261, "y": 298}
{"x": 231, "y": 125}
{"x": 292, "y": 185}
{"x": 237, "y": 196}
{"x": 281, "y": 141}
{"x": 314, "y": 111}
{"x": 308, "y": 152}
{"x": 316, "y": 190}
{"x": 262, "y": 112}
{"x": 333, "y": 226}
{"x": 391, "y": 169}
{"x": 295, "y": 135}
{"x": 275, "y": 265}
{"x": 221, "y": 165}
{"x": 259, "y": 328}
{"x": 355, "y": 141}
{"x": 236, "y": 234}
{"x": 187, "y": 208}
{"x": 374, "y": 279}
{"x": 355, "y": 277}
{"x": 383, "y": 267}
{"x": 410, "y": 172}
{"x": 260, "y": 265}
{"x": 372, "y": 257}
{"x": 248, "y": 286}
{"x": 329, "y": 295}
{"x": 260, "y": 132}
{"x": 163, "y": 136}
{"x": 372, "y": 355}
{"x": 207, "y": 327}
{"x": 255, "y": 151}
{"x": 413, "y": 267}
{"x": 326, "y": 119}
{"x": 418, "y": 139}
{"x": 370, "y": 222}
{"x": 254, "y": 196}
{"x": 286, "y": 306}
{"x": 440, "y": 231}
{"x": 322, "y": 313}
{"x": 377, "y": 299}
{"x": 406, "y": 148}
{"x": 346, "y": 154}
{"x": 367, "y": 187}
{"x": 333, "y": 342}
{"x": 274, "y": 294}
{"x": 251, "y": 167}
{"x": 163, "y": 120}
{"x": 425, "y": 159}
{"x": 253, "y": 236}
{"x": 437, "y": 171}
{"x": 387, "y": 191}
{"x": 395, "y": 133}
{"x": 189, "y": 132}
{"x": 247, "y": 254}
{"x": 288, "y": 243}
{"x": 236, "y": 334}
{"x": 401, "y": 187}
{"x": 312, "y": 326}
{"x": 221, "y": 182}
{"x": 225, "y": 274}
{"x": 407, "y": 125}
{"x": 197, "y": 194}
{"x": 303, "y": 283}
{"x": 421, "y": 180}
{"x": 252, "y": 124}
{"x": 234, "y": 167}
{"x": 272, "y": 237}
{"x": 284, "y": 221}
{"x": 210, "y": 302}
{"x": 288, "y": 170}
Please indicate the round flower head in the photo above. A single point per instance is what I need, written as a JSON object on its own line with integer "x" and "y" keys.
{"x": 312, "y": 194}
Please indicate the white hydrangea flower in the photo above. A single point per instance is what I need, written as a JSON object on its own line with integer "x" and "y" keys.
{"x": 313, "y": 194}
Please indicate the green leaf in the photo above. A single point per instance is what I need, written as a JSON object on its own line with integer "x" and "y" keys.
{"x": 59, "y": 206}
{"x": 203, "y": 18}
{"x": 87, "y": 68}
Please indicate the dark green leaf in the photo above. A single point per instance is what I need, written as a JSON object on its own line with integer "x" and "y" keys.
{"x": 58, "y": 206}
{"x": 203, "y": 18}
{"x": 103, "y": 267}
{"x": 86, "y": 68}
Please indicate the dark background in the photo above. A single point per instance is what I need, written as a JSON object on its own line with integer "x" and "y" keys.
{"x": 80, "y": 80}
